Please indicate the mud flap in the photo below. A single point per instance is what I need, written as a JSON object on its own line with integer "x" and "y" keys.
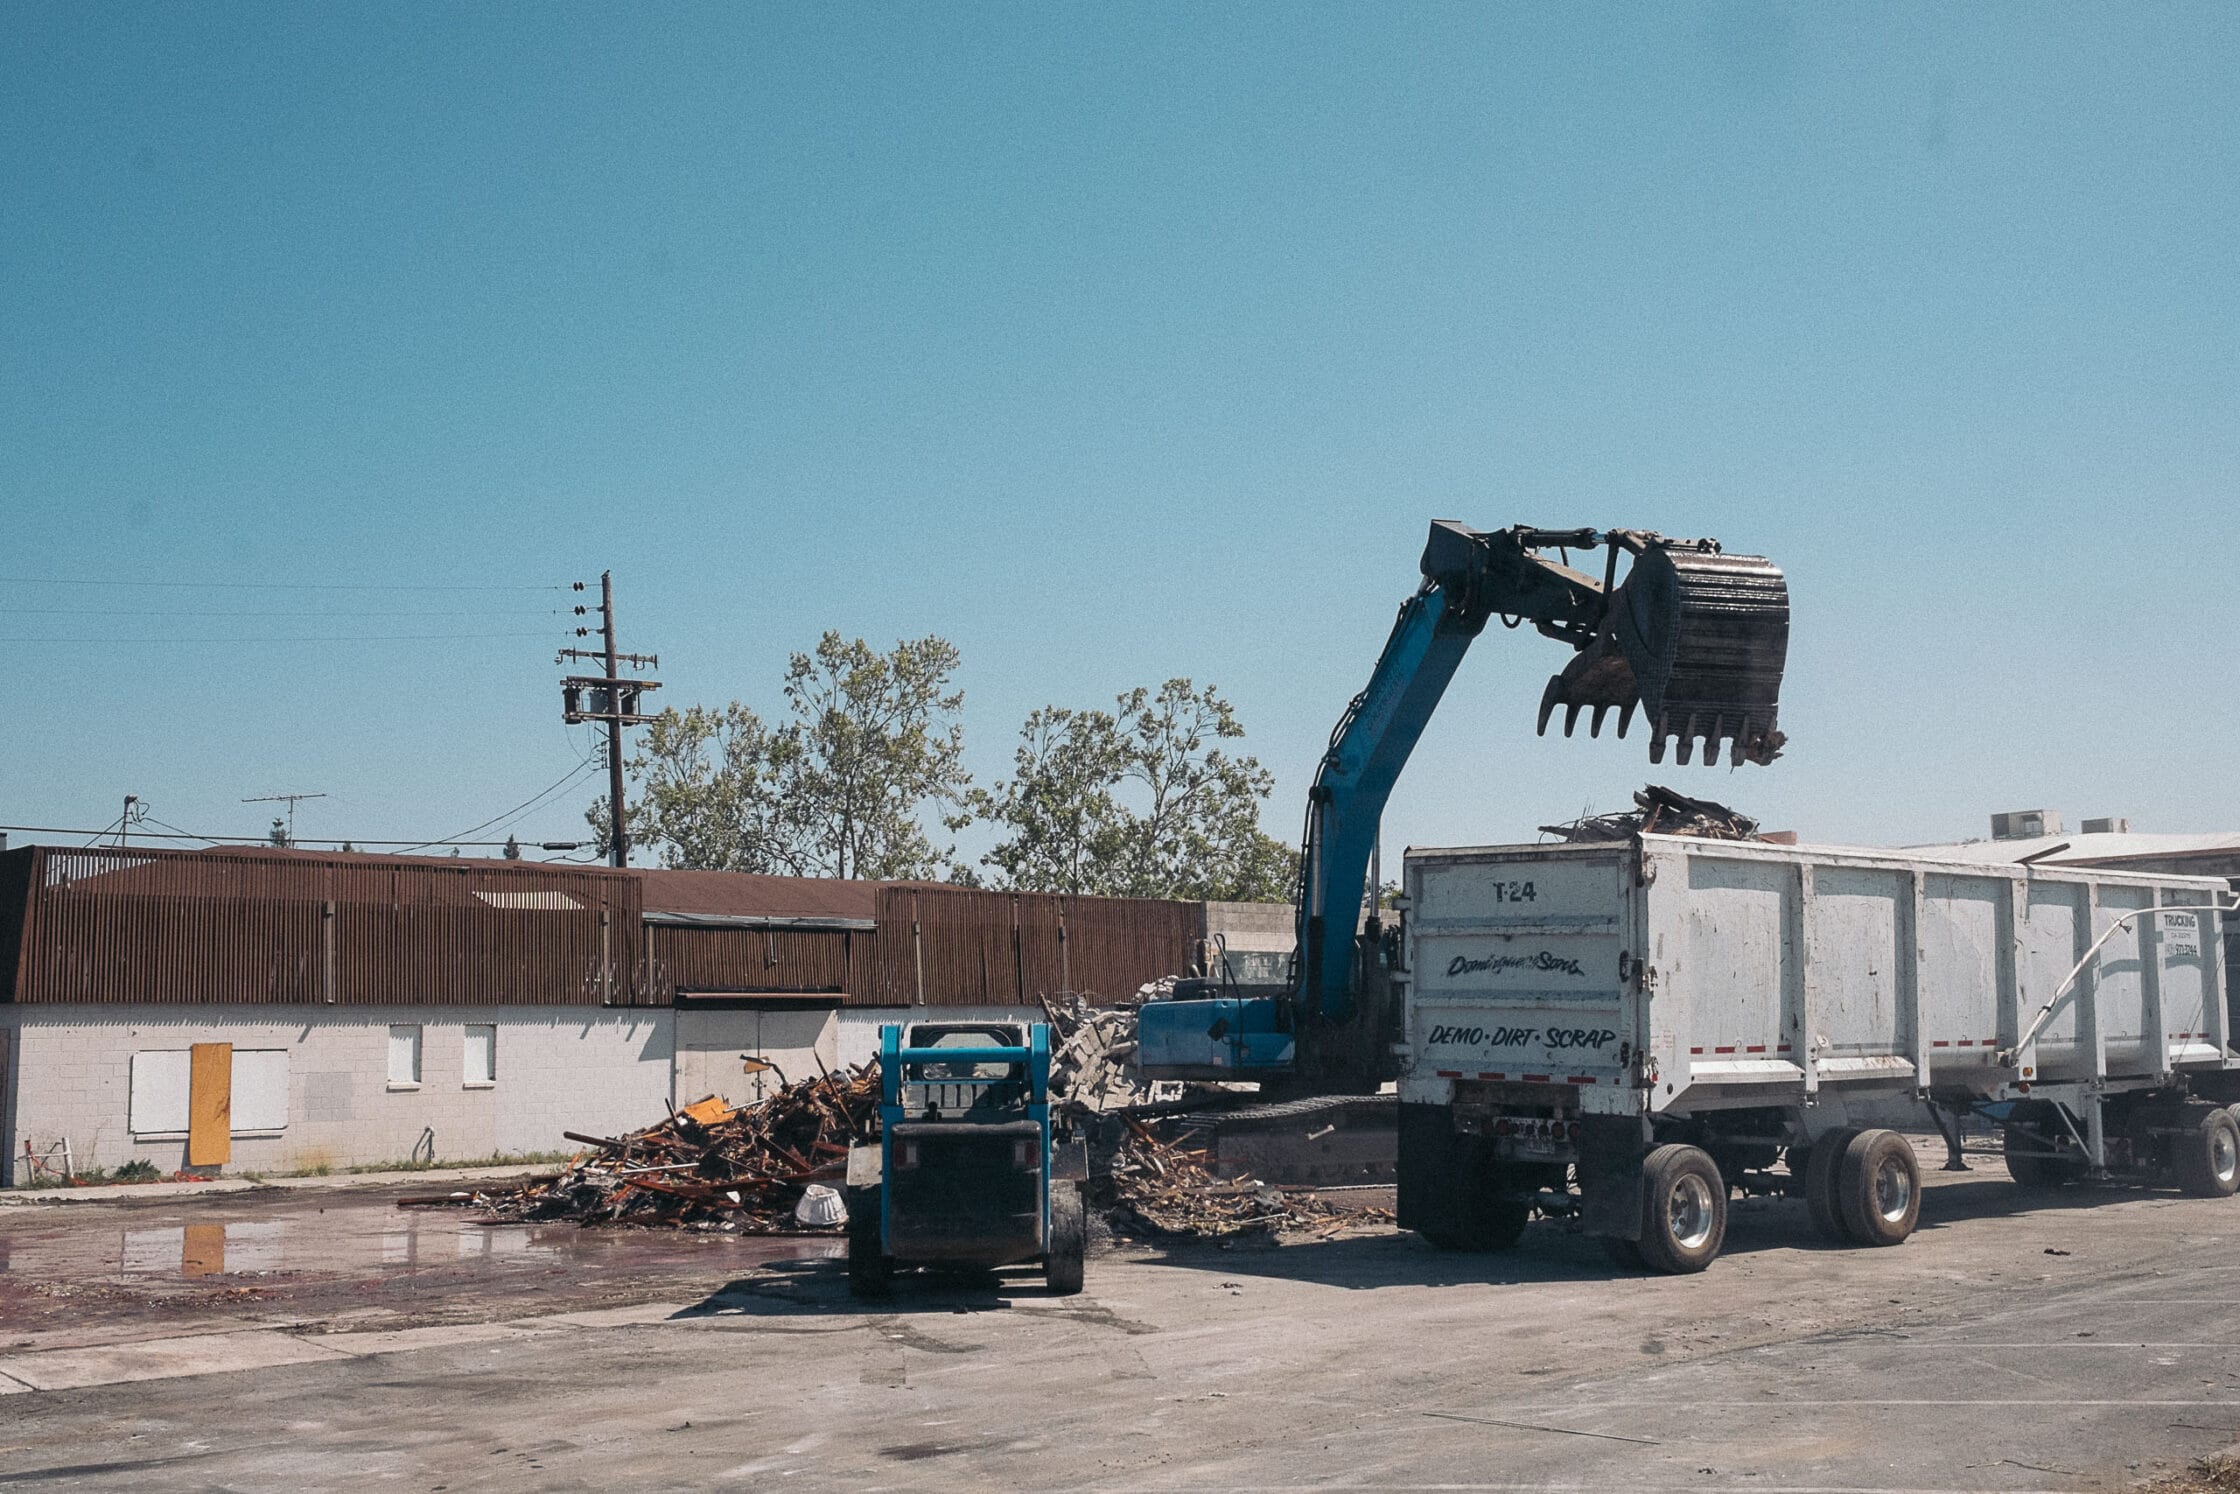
{"x": 1611, "y": 1148}
{"x": 1437, "y": 1169}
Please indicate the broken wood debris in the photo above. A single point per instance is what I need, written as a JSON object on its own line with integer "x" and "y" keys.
{"x": 709, "y": 1165}
{"x": 1170, "y": 1188}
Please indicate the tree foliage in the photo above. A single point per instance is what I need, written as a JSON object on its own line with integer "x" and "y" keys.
{"x": 843, "y": 788}
{"x": 1140, "y": 801}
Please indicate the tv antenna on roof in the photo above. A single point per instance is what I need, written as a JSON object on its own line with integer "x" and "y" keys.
{"x": 290, "y": 801}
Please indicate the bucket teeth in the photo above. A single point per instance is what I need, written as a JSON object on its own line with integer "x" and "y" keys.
{"x": 1656, "y": 744}
{"x": 1594, "y": 722}
{"x": 1548, "y": 699}
{"x": 1625, "y": 718}
{"x": 1570, "y": 717}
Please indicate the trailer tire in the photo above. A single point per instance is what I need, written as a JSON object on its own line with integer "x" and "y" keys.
{"x": 870, "y": 1268}
{"x": 1069, "y": 1240}
{"x": 1683, "y": 1210}
{"x": 1822, "y": 1170}
{"x": 2207, "y": 1161}
{"x": 1878, "y": 1188}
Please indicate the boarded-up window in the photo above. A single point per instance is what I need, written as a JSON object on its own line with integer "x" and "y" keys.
{"x": 404, "y": 1054}
{"x": 481, "y": 1054}
{"x": 159, "y": 1091}
{"x": 260, "y": 1089}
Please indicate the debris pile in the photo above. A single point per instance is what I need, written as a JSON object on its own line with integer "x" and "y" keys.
{"x": 710, "y": 1166}
{"x": 1167, "y": 1187}
{"x": 1092, "y": 1054}
{"x": 1660, "y": 811}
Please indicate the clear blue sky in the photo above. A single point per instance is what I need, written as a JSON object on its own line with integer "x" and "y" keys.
{"x": 1112, "y": 342}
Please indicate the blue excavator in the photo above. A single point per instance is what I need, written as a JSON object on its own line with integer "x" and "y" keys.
{"x": 1693, "y": 639}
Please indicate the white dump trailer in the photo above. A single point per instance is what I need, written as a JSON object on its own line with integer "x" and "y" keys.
{"x": 1622, "y": 1034}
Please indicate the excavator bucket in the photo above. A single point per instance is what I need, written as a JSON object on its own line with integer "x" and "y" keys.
{"x": 1694, "y": 639}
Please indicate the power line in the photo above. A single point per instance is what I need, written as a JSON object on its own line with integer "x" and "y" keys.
{"x": 341, "y": 638}
{"x": 460, "y": 839}
{"x": 258, "y": 840}
{"x": 322, "y": 613}
{"x": 270, "y": 585}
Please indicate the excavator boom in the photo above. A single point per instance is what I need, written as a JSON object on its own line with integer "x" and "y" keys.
{"x": 1693, "y": 638}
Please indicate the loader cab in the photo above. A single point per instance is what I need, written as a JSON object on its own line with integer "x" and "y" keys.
{"x": 966, "y": 1089}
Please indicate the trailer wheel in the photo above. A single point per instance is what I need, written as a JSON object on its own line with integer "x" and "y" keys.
{"x": 1069, "y": 1240}
{"x": 870, "y": 1268}
{"x": 1684, "y": 1210}
{"x": 1878, "y": 1188}
{"x": 2207, "y": 1160}
{"x": 1822, "y": 1167}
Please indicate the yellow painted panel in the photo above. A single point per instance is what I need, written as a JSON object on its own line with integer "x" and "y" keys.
{"x": 210, "y": 1106}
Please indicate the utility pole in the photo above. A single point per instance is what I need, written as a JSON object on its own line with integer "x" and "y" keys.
{"x": 124, "y": 825}
{"x": 610, "y": 698}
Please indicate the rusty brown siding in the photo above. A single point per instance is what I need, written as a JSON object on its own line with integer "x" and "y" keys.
{"x": 978, "y": 948}
{"x": 179, "y": 927}
{"x": 756, "y": 961}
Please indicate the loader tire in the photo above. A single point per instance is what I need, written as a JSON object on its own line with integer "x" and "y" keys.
{"x": 1069, "y": 1240}
{"x": 870, "y": 1269}
{"x": 1683, "y": 1210}
{"x": 2206, "y": 1160}
{"x": 1822, "y": 1166}
{"x": 1878, "y": 1188}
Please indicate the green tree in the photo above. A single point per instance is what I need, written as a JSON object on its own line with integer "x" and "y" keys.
{"x": 1139, "y": 802}
{"x": 875, "y": 745}
{"x": 842, "y": 789}
{"x": 512, "y": 851}
{"x": 708, "y": 793}
{"x": 278, "y": 834}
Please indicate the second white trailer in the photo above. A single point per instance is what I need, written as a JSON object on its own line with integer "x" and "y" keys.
{"x": 1624, "y": 1033}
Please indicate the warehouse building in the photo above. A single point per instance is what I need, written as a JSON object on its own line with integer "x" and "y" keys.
{"x": 268, "y": 1010}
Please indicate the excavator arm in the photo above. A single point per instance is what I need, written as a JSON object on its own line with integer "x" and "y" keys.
{"x": 1693, "y": 638}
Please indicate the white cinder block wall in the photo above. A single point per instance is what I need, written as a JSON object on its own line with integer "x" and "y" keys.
{"x": 591, "y": 1069}
{"x": 859, "y": 1025}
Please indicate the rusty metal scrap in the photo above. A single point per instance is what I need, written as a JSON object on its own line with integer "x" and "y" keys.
{"x": 709, "y": 1165}
{"x": 1660, "y": 811}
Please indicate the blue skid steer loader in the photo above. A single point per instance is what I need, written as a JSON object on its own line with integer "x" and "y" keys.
{"x": 967, "y": 1172}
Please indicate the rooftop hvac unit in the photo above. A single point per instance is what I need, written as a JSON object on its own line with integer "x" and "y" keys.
{"x": 2024, "y": 824}
{"x": 2107, "y": 827}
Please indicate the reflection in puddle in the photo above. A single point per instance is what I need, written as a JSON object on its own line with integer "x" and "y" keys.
{"x": 239, "y": 1249}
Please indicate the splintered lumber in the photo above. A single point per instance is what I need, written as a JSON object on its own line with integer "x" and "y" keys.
{"x": 1168, "y": 1189}
{"x": 709, "y": 1165}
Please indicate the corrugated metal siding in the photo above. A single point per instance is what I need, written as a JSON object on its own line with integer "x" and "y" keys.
{"x": 999, "y": 949}
{"x": 195, "y": 927}
{"x": 755, "y": 960}
{"x": 186, "y": 927}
